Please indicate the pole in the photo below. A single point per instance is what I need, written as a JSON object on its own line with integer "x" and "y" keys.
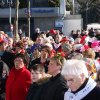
{"x": 73, "y": 3}
{"x": 87, "y": 13}
{"x": 10, "y": 15}
{"x": 28, "y": 18}
{"x": 16, "y": 20}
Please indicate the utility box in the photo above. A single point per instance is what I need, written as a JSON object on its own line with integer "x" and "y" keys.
{"x": 72, "y": 22}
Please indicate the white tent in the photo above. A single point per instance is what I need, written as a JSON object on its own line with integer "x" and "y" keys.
{"x": 94, "y": 26}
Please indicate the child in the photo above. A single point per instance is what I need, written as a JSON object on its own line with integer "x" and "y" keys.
{"x": 37, "y": 72}
{"x": 39, "y": 77}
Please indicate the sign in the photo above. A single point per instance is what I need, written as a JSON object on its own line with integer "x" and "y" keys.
{"x": 59, "y": 23}
{"x": 40, "y": 10}
{"x": 27, "y": 11}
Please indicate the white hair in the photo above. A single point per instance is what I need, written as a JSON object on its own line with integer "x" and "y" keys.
{"x": 74, "y": 67}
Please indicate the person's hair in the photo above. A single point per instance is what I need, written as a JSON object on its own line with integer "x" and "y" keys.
{"x": 22, "y": 56}
{"x": 74, "y": 67}
{"x": 19, "y": 44}
{"x": 46, "y": 48}
{"x": 89, "y": 53}
{"x": 37, "y": 67}
{"x": 59, "y": 59}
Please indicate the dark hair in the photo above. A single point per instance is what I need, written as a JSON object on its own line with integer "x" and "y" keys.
{"x": 46, "y": 47}
{"x": 22, "y": 56}
{"x": 19, "y": 44}
{"x": 37, "y": 67}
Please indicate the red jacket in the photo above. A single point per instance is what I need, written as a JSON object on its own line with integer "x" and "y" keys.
{"x": 18, "y": 84}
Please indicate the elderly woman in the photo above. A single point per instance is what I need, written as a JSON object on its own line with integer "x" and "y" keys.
{"x": 81, "y": 86}
{"x": 19, "y": 80}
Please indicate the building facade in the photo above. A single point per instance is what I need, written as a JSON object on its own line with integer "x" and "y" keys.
{"x": 42, "y": 15}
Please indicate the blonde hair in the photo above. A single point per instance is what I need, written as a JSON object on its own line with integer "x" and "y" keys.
{"x": 74, "y": 67}
{"x": 59, "y": 59}
{"x": 89, "y": 53}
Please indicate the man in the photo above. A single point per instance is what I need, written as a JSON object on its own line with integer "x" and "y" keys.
{"x": 81, "y": 86}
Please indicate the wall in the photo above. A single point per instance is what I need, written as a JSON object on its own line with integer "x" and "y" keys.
{"x": 72, "y": 22}
{"x": 44, "y": 23}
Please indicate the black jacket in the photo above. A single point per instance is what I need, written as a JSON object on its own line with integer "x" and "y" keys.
{"x": 8, "y": 58}
{"x": 54, "y": 89}
{"x": 93, "y": 95}
{"x": 35, "y": 89}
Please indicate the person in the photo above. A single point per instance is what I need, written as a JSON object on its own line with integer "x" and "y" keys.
{"x": 38, "y": 77}
{"x": 36, "y": 34}
{"x": 4, "y": 72}
{"x": 5, "y": 55}
{"x": 43, "y": 59}
{"x": 55, "y": 88}
{"x": 81, "y": 86}
{"x": 98, "y": 78}
{"x": 92, "y": 64}
{"x": 19, "y": 80}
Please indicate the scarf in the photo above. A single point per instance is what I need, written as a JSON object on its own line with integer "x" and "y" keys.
{"x": 82, "y": 93}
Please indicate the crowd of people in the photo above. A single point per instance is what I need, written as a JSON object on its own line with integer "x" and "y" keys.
{"x": 50, "y": 66}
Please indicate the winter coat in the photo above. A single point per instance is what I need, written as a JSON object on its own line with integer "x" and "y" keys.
{"x": 4, "y": 72}
{"x": 93, "y": 95}
{"x": 54, "y": 89}
{"x": 35, "y": 89}
{"x": 18, "y": 84}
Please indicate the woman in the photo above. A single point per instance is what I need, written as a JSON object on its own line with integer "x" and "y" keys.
{"x": 43, "y": 59}
{"x": 55, "y": 88}
{"x": 92, "y": 64}
{"x": 19, "y": 80}
{"x": 81, "y": 86}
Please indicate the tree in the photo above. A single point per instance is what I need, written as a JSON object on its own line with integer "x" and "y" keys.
{"x": 90, "y": 9}
{"x": 54, "y": 3}
{"x": 69, "y": 5}
{"x": 23, "y": 3}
